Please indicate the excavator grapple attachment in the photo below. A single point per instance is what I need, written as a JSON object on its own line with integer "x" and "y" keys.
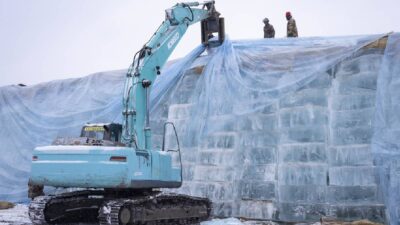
{"x": 211, "y": 25}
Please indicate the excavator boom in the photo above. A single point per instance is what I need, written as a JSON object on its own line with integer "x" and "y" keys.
{"x": 148, "y": 62}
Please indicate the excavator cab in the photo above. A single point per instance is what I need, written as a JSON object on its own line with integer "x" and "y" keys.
{"x": 99, "y": 134}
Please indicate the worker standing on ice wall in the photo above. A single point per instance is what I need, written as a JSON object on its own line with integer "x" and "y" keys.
{"x": 291, "y": 26}
{"x": 269, "y": 31}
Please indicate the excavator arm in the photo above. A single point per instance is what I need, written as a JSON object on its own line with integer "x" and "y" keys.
{"x": 148, "y": 62}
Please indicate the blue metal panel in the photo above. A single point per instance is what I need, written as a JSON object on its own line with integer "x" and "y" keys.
{"x": 90, "y": 166}
{"x": 165, "y": 166}
{"x": 155, "y": 172}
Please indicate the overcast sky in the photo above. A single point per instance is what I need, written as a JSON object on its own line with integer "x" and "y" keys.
{"x": 42, "y": 40}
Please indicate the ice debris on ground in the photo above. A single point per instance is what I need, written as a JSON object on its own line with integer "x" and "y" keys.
{"x": 15, "y": 216}
{"x": 228, "y": 221}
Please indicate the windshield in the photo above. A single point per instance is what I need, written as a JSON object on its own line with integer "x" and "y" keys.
{"x": 96, "y": 132}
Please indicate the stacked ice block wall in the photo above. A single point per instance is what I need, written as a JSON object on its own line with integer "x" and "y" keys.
{"x": 305, "y": 156}
{"x": 352, "y": 184}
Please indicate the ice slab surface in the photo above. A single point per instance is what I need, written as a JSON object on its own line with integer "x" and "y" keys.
{"x": 229, "y": 221}
{"x": 272, "y": 129}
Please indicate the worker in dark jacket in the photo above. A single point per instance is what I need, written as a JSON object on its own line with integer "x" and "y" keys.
{"x": 291, "y": 26}
{"x": 269, "y": 31}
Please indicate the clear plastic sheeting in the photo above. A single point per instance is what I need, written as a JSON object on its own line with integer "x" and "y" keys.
{"x": 244, "y": 77}
{"x": 269, "y": 129}
{"x": 35, "y": 116}
{"x": 386, "y": 139}
{"x": 173, "y": 72}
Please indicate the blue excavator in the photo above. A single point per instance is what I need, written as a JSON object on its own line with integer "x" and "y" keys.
{"x": 115, "y": 172}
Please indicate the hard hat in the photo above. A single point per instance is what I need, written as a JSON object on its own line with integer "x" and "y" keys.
{"x": 288, "y": 14}
{"x": 266, "y": 20}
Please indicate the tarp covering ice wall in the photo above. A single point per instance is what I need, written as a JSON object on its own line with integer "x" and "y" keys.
{"x": 386, "y": 139}
{"x": 282, "y": 130}
{"x": 241, "y": 78}
{"x": 34, "y": 116}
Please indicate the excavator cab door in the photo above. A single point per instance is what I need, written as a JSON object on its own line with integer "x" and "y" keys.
{"x": 114, "y": 132}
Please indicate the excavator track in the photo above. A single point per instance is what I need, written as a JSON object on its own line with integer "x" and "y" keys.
{"x": 36, "y": 210}
{"x": 71, "y": 207}
{"x": 151, "y": 208}
{"x": 156, "y": 209}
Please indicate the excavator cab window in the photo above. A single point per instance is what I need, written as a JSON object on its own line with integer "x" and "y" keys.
{"x": 96, "y": 132}
{"x": 110, "y": 132}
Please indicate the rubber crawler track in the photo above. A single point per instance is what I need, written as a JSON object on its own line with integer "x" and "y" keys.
{"x": 109, "y": 207}
{"x": 109, "y": 212}
{"x": 36, "y": 210}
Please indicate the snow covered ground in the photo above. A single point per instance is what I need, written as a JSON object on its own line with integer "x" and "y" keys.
{"x": 19, "y": 216}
